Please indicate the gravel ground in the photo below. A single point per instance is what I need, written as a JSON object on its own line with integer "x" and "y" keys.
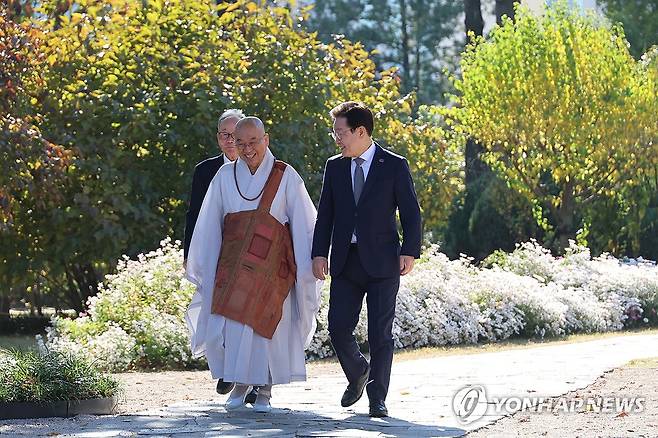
{"x": 628, "y": 381}
{"x": 143, "y": 391}
{"x": 151, "y": 390}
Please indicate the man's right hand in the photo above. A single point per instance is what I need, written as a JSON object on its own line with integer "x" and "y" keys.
{"x": 320, "y": 267}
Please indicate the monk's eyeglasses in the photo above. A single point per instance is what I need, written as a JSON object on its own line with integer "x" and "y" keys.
{"x": 251, "y": 144}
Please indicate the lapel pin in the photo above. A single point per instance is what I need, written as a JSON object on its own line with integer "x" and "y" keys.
{"x": 381, "y": 160}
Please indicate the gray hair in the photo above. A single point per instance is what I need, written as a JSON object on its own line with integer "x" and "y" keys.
{"x": 230, "y": 114}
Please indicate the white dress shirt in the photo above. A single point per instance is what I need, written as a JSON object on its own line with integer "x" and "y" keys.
{"x": 367, "y": 157}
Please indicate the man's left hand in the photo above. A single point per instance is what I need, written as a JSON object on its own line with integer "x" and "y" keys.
{"x": 406, "y": 264}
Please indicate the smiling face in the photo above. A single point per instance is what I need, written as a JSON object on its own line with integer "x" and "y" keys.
{"x": 252, "y": 142}
{"x": 351, "y": 142}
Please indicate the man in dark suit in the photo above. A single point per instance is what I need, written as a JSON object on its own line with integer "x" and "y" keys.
{"x": 205, "y": 171}
{"x": 363, "y": 187}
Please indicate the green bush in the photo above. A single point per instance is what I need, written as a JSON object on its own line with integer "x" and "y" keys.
{"x": 134, "y": 90}
{"x": 564, "y": 113}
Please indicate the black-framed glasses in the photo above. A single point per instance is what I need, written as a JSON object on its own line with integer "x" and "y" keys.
{"x": 251, "y": 144}
{"x": 339, "y": 134}
{"x": 226, "y": 136}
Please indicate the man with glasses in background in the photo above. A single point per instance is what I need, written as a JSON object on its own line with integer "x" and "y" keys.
{"x": 205, "y": 171}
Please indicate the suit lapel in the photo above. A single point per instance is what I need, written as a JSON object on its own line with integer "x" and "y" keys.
{"x": 373, "y": 172}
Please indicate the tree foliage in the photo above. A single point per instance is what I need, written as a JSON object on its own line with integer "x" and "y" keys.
{"x": 33, "y": 167}
{"x": 627, "y": 222}
{"x": 640, "y": 21}
{"x": 562, "y": 109}
{"x": 135, "y": 88}
{"x": 487, "y": 215}
{"x": 415, "y": 36}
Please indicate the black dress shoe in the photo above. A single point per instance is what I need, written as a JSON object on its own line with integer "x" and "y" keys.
{"x": 354, "y": 390}
{"x": 378, "y": 409}
{"x": 224, "y": 387}
{"x": 251, "y": 397}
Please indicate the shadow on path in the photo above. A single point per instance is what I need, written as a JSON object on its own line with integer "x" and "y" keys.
{"x": 213, "y": 420}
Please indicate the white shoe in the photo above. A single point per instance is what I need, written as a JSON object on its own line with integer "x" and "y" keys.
{"x": 265, "y": 408}
{"x": 236, "y": 399}
{"x": 262, "y": 404}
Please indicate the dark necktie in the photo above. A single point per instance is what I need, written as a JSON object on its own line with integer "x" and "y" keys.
{"x": 359, "y": 179}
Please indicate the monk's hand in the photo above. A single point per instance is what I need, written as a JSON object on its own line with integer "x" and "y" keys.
{"x": 406, "y": 264}
{"x": 320, "y": 267}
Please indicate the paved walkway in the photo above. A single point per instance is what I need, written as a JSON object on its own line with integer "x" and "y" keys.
{"x": 420, "y": 397}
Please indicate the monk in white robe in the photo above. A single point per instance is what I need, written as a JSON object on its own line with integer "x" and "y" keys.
{"x": 235, "y": 353}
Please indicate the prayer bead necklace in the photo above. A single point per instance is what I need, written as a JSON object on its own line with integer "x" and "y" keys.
{"x": 235, "y": 178}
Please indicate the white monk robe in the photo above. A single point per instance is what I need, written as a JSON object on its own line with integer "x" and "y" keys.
{"x": 234, "y": 352}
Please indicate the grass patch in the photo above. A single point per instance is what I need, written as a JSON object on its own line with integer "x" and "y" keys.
{"x": 18, "y": 342}
{"x": 27, "y": 376}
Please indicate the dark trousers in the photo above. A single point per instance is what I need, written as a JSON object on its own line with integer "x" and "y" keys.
{"x": 345, "y": 301}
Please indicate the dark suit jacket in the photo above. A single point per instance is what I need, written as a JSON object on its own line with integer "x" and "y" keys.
{"x": 204, "y": 172}
{"x": 388, "y": 187}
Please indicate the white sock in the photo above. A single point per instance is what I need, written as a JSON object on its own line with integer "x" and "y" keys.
{"x": 240, "y": 391}
{"x": 264, "y": 395}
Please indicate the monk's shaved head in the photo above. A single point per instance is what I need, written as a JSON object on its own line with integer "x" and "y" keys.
{"x": 251, "y": 121}
{"x": 251, "y": 141}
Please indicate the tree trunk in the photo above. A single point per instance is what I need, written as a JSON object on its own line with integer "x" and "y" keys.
{"x": 473, "y": 17}
{"x": 5, "y": 303}
{"x": 406, "y": 77}
{"x": 36, "y": 300}
{"x": 566, "y": 220}
{"x": 82, "y": 283}
{"x": 417, "y": 62}
{"x": 504, "y": 7}
{"x": 474, "y": 166}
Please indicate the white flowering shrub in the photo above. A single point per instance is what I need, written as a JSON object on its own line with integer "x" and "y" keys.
{"x": 137, "y": 319}
{"x": 627, "y": 292}
{"x": 432, "y": 312}
{"x": 529, "y": 259}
